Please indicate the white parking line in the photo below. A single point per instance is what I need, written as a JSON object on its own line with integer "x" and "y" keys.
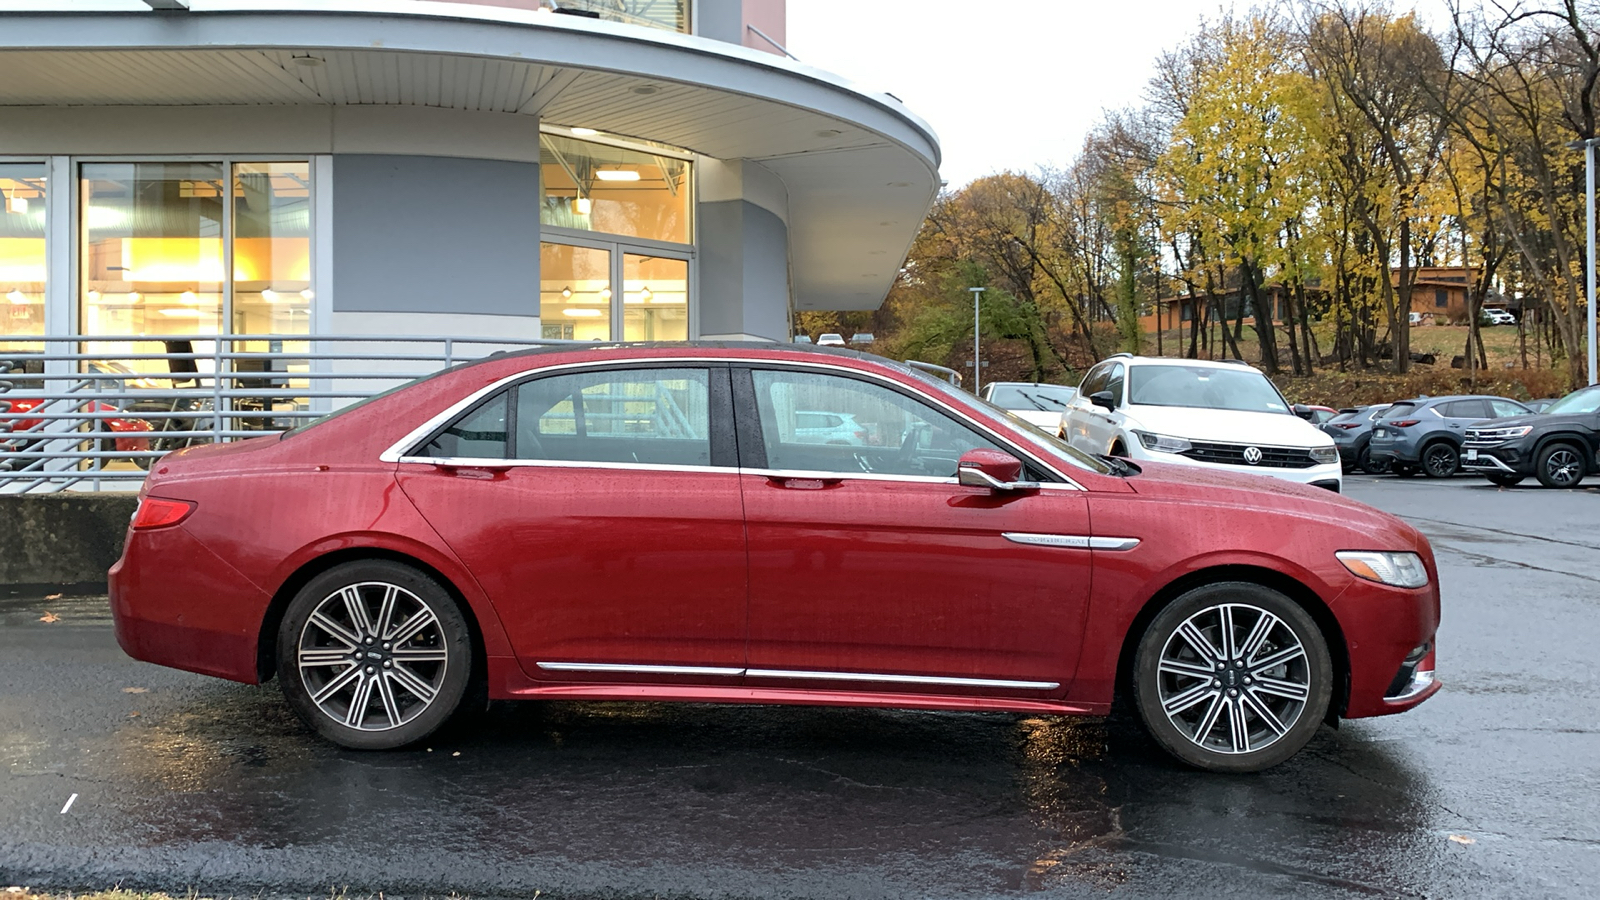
{"x": 69, "y": 804}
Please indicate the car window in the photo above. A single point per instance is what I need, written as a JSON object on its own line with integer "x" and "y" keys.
{"x": 1205, "y": 387}
{"x": 1095, "y": 381}
{"x": 1399, "y": 410}
{"x": 646, "y": 416}
{"x": 1465, "y": 409}
{"x": 1583, "y": 400}
{"x": 1041, "y": 397}
{"x": 480, "y": 433}
{"x": 1114, "y": 382}
{"x": 1508, "y": 408}
{"x": 1377, "y": 412}
{"x": 896, "y": 435}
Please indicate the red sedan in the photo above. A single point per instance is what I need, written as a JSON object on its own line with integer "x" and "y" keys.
{"x": 652, "y": 523}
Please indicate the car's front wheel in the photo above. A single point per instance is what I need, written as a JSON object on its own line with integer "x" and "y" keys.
{"x": 1560, "y": 466}
{"x": 374, "y": 654}
{"x": 1367, "y": 464}
{"x": 1232, "y": 677}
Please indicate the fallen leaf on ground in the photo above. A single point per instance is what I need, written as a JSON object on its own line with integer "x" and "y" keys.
{"x": 49, "y": 617}
{"x": 53, "y": 597}
{"x": 1463, "y": 839}
{"x": 134, "y": 690}
{"x": 132, "y": 714}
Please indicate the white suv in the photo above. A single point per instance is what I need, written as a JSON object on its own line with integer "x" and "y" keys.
{"x": 1192, "y": 412}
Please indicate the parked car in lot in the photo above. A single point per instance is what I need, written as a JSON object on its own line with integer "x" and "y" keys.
{"x": 1316, "y": 415}
{"x": 817, "y": 427}
{"x": 830, "y": 340}
{"x": 1040, "y": 405}
{"x": 1426, "y": 434}
{"x": 1558, "y": 447}
{"x": 644, "y": 523}
{"x": 1541, "y": 404}
{"x": 1197, "y": 413}
{"x": 1351, "y": 431}
{"x": 1497, "y": 317}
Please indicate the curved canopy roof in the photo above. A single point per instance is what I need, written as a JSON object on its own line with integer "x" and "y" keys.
{"x": 860, "y": 170}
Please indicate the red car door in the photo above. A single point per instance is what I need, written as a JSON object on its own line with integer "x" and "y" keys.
{"x": 600, "y": 511}
{"x": 871, "y": 569}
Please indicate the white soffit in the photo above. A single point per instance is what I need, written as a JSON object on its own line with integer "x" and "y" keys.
{"x": 860, "y": 170}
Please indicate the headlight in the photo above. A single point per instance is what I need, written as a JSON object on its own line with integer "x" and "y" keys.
{"x": 1163, "y": 443}
{"x": 1324, "y": 454}
{"x": 1397, "y": 569}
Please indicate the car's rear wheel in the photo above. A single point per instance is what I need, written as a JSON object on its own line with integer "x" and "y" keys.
{"x": 1367, "y": 464}
{"x": 1504, "y": 480}
{"x": 374, "y": 655}
{"x": 1560, "y": 466}
{"x": 1440, "y": 460}
{"x": 1232, "y": 677}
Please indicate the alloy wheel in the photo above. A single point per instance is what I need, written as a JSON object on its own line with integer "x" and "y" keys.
{"x": 373, "y": 656}
{"x": 1562, "y": 467}
{"x": 1440, "y": 461}
{"x": 1233, "y": 678}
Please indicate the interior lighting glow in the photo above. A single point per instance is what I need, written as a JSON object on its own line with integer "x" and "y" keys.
{"x": 308, "y": 295}
{"x": 605, "y": 293}
{"x": 15, "y": 204}
{"x": 566, "y": 292}
{"x": 585, "y": 132}
{"x": 646, "y": 293}
{"x": 189, "y": 298}
{"x": 93, "y": 295}
{"x": 135, "y": 296}
{"x": 183, "y": 313}
{"x": 616, "y": 174}
{"x": 270, "y": 295}
{"x": 579, "y": 312}
{"x": 17, "y": 297}
{"x": 583, "y": 206}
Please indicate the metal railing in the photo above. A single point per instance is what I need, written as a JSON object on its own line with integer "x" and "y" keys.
{"x": 93, "y": 412}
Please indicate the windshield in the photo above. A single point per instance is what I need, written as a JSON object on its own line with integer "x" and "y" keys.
{"x": 1046, "y": 444}
{"x": 1046, "y": 397}
{"x": 1205, "y": 387}
{"x": 1586, "y": 400}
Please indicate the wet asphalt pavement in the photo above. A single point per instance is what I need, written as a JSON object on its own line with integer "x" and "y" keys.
{"x": 1491, "y": 789}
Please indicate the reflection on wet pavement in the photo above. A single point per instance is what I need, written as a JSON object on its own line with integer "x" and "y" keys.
{"x": 186, "y": 781}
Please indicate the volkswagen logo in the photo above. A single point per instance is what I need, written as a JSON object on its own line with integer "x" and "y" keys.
{"x": 1252, "y": 455}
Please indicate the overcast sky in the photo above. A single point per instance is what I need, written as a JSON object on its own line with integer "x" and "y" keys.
{"x": 1006, "y": 84}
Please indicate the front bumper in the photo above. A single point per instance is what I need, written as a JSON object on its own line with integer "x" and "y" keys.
{"x": 1325, "y": 475}
{"x": 1508, "y": 459}
{"x": 1389, "y": 633}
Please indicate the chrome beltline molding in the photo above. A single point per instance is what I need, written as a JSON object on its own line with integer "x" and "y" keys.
{"x": 1071, "y": 541}
{"x": 623, "y": 668}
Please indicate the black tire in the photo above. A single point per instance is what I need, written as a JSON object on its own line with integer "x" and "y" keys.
{"x": 1367, "y": 464}
{"x": 1503, "y": 479}
{"x": 1440, "y": 459}
{"x": 1560, "y": 465}
{"x": 1401, "y": 470}
{"x": 1157, "y": 687}
{"x": 397, "y": 676}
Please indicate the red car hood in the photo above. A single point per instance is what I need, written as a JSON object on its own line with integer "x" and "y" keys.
{"x": 1263, "y": 492}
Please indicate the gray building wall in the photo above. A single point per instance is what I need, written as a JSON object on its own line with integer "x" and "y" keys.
{"x": 422, "y": 234}
{"x": 744, "y": 270}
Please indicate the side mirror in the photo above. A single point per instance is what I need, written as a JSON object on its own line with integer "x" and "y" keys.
{"x": 1105, "y": 399}
{"x": 1302, "y": 411}
{"x": 993, "y": 470}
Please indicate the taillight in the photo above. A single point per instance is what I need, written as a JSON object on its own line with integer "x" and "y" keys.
{"x": 1404, "y": 423}
{"x": 1348, "y": 425}
{"x": 158, "y": 512}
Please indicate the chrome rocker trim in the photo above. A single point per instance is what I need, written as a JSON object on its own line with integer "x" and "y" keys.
{"x": 1071, "y": 541}
{"x": 624, "y": 668}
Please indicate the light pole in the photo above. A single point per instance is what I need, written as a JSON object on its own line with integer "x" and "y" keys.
{"x": 977, "y": 333}
{"x": 1588, "y": 167}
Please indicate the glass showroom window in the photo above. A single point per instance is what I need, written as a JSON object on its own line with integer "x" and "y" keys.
{"x": 22, "y": 253}
{"x": 655, "y": 298}
{"x": 574, "y": 292}
{"x": 587, "y": 186}
{"x": 156, "y": 238}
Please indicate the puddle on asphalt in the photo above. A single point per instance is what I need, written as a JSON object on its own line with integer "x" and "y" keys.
{"x": 68, "y": 604}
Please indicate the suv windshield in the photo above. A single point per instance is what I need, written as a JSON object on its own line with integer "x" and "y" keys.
{"x": 1578, "y": 402}
{"x": 1049, "y": 398}
{"x": 1206, "y": 387}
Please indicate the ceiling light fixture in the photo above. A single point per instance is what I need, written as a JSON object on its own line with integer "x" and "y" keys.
{"x": 308, "y": 62}
{"x": 582, "y": 206}
{"x": 189, "y": 298}
{"x": 15, "y": 204}
{"x": 17, "y": 297}
{"x": 645, "y": 293}
{"x": 308, "y": 295}
{"x": 93, "y": 295}
{"x": 566, "y": 292}
{"x": 616, "y": 174}
{"x": 605, "y": 293}
{"x": 135, "y": 296}
{"x": 585, "y": 132}
{"x": 270, "y": 295}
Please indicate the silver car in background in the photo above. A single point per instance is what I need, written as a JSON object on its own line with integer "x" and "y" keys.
{"x": 1040, "y": 405}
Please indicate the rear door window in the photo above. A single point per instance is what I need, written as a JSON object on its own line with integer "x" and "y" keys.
{"x": 645, "y": 416}
{"x": 1465, "y": 409}
{"x": 478, "y": 434}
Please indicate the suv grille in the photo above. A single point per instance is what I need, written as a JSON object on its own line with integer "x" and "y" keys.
{"x": 1233, "y": 455}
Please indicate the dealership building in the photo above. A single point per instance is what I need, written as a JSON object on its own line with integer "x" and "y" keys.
{"x": 608, "y": 170}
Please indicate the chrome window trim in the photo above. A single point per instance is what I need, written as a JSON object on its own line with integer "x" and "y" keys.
{"x": 469, "y": 462}
{"x": 904, "y": 679}
{"x": 1071, "y": 541}
{"x": 396, "y": 452}
{"x": 639, "y": 670}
